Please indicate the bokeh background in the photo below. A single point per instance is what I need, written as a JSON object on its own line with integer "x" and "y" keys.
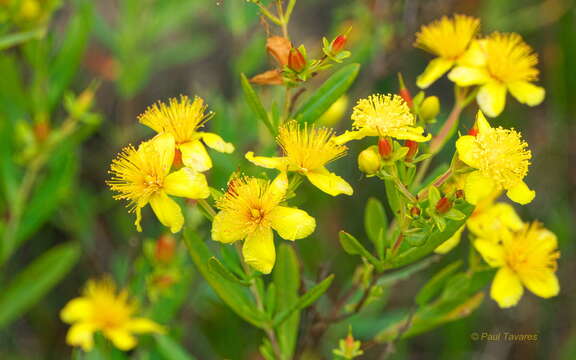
{"x": 134, "y": 52}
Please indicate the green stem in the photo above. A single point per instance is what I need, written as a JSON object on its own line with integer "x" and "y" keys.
{"x": 207, "y": 208}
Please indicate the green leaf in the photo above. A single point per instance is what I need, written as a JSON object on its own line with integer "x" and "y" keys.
{"x": 408, "y": 255}
{"x": 7, "y": 41}
{"x": 433, "y": 195}
{"x": 255, "y": 104}
{"x": 305, "y": 300}
{"x": 170, "y": 349}
{"x": 70, "y": 55}
{"x": 35, "y": 281}
{"x": 286, "y": 277}
{"x": 234, "y": 295}
{"x": 217, "y": 268}
{"x": 376, "y": 223}
{"x": 353, "y": 247}
{"x": 392, "y": 196}
{"x": 330, "y": 91}
{"x": 433, "y": 286}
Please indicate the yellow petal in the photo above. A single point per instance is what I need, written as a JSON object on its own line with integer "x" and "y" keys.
{"x": 226, "y": 228}
{"x": 410, "y": 133}
{"x": 76, "y": 310}
{"x": 328, "y": 182}
{"x": 277, "y": 190}
{"x": 187, "y": 183}
{"x": 508, "y": 216}
{"x": 451, "y": 243}
{"x": 216, "y": 142}
{"x": 258, "y": 250}
{"x": 143, "y": 325}
{"x": 291, "y": 223}
{"x": 121, "y": 338}
{"x": 468, "y": 76}
{"x": 195, "y": 156}
{"x": 279, "y": 163}
{"x": 527, "y": 93}
{"x": 482, "y": 123}
{"x": 467, "y": 148}
{"x": 477, "y": 187}
{"x": 548, "y": 242}
{"x": 475, "y": 56}
{"x": 506, "y": 288}
{"x": 521, "y": 194}
{"x": 81, "y": 334}
{"x": 542, "y": 282}
{"x": 492, "y": 252}
{"x": 492, "y": 98}
{"x": 349, "y": 136}
{"x": 138, "y": 212}
{"x": 164, "y": 145}
{"x": 435, "y": 69}
{"x": 167, "y": 211}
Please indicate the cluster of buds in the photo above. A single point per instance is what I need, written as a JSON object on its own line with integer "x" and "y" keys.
{"x": 349, "y": 348}
{"x": 292, "y": 63}
{"x": 424, "y": 107}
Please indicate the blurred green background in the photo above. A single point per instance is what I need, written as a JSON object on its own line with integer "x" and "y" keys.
{"x": 131, "y": 53}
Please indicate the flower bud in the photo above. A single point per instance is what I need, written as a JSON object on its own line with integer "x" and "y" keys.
{"x": 404, "y": 92}
{"x": 459, "y": 194}
{"x": 177, "y": 163}
{"x": 384, "y": 147}
{"x": 415, "y": 211}
{"x": 443, "y": 205}
{"x": 473, "y": 131}
{"x": 296, "y": 60}
{"x": 412, "y": 149}
{"x": 369, "y": 161}
{"x": 430, "y": 108}
{"x": 165, "y": 247}
{"x": 339, "y": 43}
{"x": 41, "y": 130}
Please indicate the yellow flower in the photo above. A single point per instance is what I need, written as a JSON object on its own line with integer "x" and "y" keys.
{"x": 448, "y": 39}
{"x": 500, "y": 63}
{"x": 451, "y": 243}
{"x": 143, "y": 176}
{"x": 383, "y": 115}
{"x": 102, "y": 308}
{"x": 182, "y": 119}
{"x": 501, "y": 158}
{"x": 249, "y": 210}
{"x": 525, "y": 258}
{"x": 307, "y": 150}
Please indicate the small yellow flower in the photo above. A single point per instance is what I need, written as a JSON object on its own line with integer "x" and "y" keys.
{"x": 102, "y": 308}
{"x": 501, "y": 159}
{"x": 307, "y": 149}
{"x": 143, "y": 176}
{"x": 383, "y": 115}
{"x": 500, "y": 63}
{"x": 448, "y": 39}
{"x": 525, "y": 258}
{"x": 249, "y": 210}
{"x": 182, "y": 119}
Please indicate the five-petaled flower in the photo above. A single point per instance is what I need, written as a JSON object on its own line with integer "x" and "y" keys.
{"x": 143, "y": 176}
{"x": 102, "y": 308}
{"x": 525, "y": 258}
{"x": 249, "y": 210}
{"x": 501, "y": 159}
{"x": 448, "y": 39}
{"x": 182, "y": 119}
{"x": 499, "y": 63}
{"x": 383, "y": 115}
{"x": 307, "y": 149}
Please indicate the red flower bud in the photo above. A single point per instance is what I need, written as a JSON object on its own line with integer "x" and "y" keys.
{"x": 165, "y": 247}
{"x": 384, "y": 147}
{"x": 415, "y": 211}
{"x": 473, "y": 131}
{"x": 443, "y": 205}
{"x": 412, "y": 149}
{"x": 459, "y": 194}
{"x": 41, "y": 130}
{"x": 338, "y": 43}
{"x": 296, "y": 60}
{"x": 177, "y": 163}
{"x": 404, "y": 93}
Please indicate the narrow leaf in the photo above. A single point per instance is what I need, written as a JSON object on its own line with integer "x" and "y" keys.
{"x": 170, "y": 349}
{"x": 330, "y": 91}
{"x": 433, "y": 286}
{"x": 255, "y": 104}
{"x": 218, "y": 268}
{"x": 305, "y": 300}
{"x": 35, "y": 281}
{"x": 376, "y": 223}
{"x": 353, "y": 247}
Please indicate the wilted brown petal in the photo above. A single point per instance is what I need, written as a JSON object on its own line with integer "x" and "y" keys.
{"x": 270, "y": 77}
{"x": 279, "y": 48}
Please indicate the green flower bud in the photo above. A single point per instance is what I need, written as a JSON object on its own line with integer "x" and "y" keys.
{"x": 369, "y": 160}
{"x": 430, "y": 108}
